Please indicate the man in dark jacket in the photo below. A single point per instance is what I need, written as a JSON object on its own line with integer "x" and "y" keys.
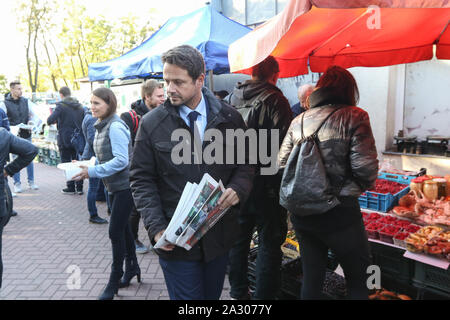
{"x": 157, "y": 183}
{"x": 68, "y": 116}
{"x": 152, "y": 93}
{"x": 20, "y": 111}
{"x": 26, "y": 153}
{"x": 262, "y": 210}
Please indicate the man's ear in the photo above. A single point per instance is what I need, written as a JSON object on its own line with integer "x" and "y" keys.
{"x": 200, "y": 80}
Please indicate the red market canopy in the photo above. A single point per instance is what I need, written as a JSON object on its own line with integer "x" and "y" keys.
{"x": 324, "y": 32}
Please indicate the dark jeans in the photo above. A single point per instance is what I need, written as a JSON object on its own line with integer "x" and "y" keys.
{"x": 92, "y": 196}
{"x": 119, "y": 228}
{"x": 194, "y": 280}
{"x": 351, "y": 247}
{"x": 67, "y": 155}
{"x": 135, "y": 217}
{"x": 101, "y": 195}
{"x": 271, "y": 225}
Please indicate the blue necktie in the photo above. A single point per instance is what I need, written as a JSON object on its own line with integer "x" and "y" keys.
{"x": 192, "y": 118}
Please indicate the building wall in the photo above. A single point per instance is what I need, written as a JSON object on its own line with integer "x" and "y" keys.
{"x": 427, "y": 99}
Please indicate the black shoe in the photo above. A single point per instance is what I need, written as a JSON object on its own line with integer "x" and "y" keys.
{"x": 98, "y": 220}
{"x": 80, "y": 192}
{"x": 68, "y": 191}
{"x": 13, "y": 213}
{"x": 112, "y": 287}
{"x": 131, "y": 269}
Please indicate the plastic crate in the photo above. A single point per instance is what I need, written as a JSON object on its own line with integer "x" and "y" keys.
{"x": 54, "y": 154}
{"x": 400, "y": 178}
{"x": 382, "y": 202}
{"x": 386, "y": 237}
{"x": 392, "y": 263}
{"x": 431, "y": 277}
{"x": 396, "y": 177}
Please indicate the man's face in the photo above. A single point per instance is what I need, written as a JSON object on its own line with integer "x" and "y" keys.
{"x": 155, "y": 99}
{"x": 16, "y": 91}
{"x": 181, "y": 88}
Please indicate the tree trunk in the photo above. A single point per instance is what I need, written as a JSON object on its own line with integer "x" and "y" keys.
{"x": 59, "y": 63}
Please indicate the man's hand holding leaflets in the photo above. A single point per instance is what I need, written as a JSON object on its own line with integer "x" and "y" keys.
{"x": 199, "y": 208}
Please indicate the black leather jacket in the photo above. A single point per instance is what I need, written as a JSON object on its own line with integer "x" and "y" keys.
{"x": 346, "y": 142}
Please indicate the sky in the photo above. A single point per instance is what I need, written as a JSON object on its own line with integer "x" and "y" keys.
{"x": 12, "y": 54}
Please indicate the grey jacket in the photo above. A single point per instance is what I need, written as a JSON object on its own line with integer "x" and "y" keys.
{"x": 103, "y": 150}
{"x": 26, "y": 152}
{"x": 346, "y": 142}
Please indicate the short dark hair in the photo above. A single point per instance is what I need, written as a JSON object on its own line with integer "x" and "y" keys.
{"x": 65, "y": 91}
{"x": 109, "y": 97}
{"x": 14, "y": 83}
{"x": 187, "y": 58}
{"x": 266, "y": 68}
{"x": 343, "y": 84}
{"x": 149, "y": 86}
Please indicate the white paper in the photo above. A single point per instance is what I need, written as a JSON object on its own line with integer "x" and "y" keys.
{"x": 189, "y": 205}
{"x": 73, "y": 168}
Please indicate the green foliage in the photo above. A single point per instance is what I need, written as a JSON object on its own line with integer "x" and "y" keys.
{"x": 4, "y": 88}
{"x": 68, "y": 40}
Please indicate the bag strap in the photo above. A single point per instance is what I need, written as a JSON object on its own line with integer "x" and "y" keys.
{"x": 135, "y": 119}
{"x": 323, "y": 122}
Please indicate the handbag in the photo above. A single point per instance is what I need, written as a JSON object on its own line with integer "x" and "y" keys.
{"x": 305, "y": 164}
{"x": 77, "y": 140}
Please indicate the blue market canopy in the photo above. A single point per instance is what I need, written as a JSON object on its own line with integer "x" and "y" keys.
{"x": 205, "y": 29}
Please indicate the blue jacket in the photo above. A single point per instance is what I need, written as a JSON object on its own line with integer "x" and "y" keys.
{"x": 297, "y": 109}
{"x": 89, "y": 135}
{"x": 4, "y": 121}
{"x": 26, "y": 152}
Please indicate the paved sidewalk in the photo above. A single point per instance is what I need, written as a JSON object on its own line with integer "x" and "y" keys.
{"x": 51, "y": 241}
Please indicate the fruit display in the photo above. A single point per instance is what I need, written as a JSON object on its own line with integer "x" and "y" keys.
{"x": 388, "y": 232}
{"x": 385, "y": 186}
{"x": 399, "y": 239}
{"x": 373, "y": 228}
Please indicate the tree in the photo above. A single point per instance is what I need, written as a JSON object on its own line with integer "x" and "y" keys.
{"x": 4, "y": 88}
{"x": 30, "y": 22}
{"x": 62, "y": 40}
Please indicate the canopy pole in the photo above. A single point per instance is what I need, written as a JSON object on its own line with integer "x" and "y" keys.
{"x": 211, "y": 84}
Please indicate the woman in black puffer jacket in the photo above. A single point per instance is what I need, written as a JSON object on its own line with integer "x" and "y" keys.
{"x": 350, "y": 159}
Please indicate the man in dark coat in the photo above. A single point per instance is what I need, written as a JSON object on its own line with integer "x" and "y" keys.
{"x": 157, "y": 182}
{"x": 26, "y": 153}
{"x": 68, "y": 116}
{"x": 20, "y": 112}
{"x": 262, "y": 210}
